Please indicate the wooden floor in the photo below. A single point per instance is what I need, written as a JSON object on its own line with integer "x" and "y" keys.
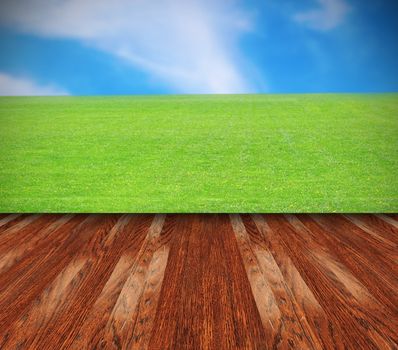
{"x": 198, "y": 281}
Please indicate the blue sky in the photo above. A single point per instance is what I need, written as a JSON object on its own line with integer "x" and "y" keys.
{"x": 100, "y": 47}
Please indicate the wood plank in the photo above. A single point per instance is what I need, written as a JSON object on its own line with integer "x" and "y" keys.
{"x": 378, "y": 228}
{"x": 364, "y": 270}
{"x": 206, "y": 301}
{"x": 6, "y": 218}
{"x": 362, "y": 329}
{"x": 367, "y": 263}
{"x": 119, "y": 330}
{"x": 92, "y": 332}
{"x": 393, "y": 216}
{"x": 20, "y": 285}
{"x": 358, "y": 279}
{"x": 325, "y": 334}
{"x": 24, "y": 332}
{"x": 43, "y": 322}
{"x": 198, "y": 281}
{"x": 17, "y": 248}
{"x": 382, "y": 255}
{"x": 101, "y": 254}
{"x": 280, "y": 322}
{"x": 17, "y": 223}
{"x": 15, "y": 235}
{"x": 392, "y": 220}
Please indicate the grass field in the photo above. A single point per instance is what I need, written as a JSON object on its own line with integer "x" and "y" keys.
{"x": 199, "y": 153}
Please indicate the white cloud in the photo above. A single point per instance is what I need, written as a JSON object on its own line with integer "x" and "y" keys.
{"x": 329, "y": 15}
{"x": 190, "y": 45}
{"x": 17, "y": 86}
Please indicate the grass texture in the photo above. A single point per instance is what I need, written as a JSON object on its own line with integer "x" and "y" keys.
{"x": 199, "y": 153}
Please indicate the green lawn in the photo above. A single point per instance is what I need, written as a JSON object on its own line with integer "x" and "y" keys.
{"x": 199, "y": 153}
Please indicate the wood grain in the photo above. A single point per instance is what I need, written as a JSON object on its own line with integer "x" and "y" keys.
{"x": 198, "y": 281}
{"x": 202, "y": 309}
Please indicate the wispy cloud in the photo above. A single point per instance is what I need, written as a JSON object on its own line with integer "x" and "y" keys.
{"x": 17, "y": 86}
{"x": 327, "y": 16}
{"x": 189, "y": 45}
